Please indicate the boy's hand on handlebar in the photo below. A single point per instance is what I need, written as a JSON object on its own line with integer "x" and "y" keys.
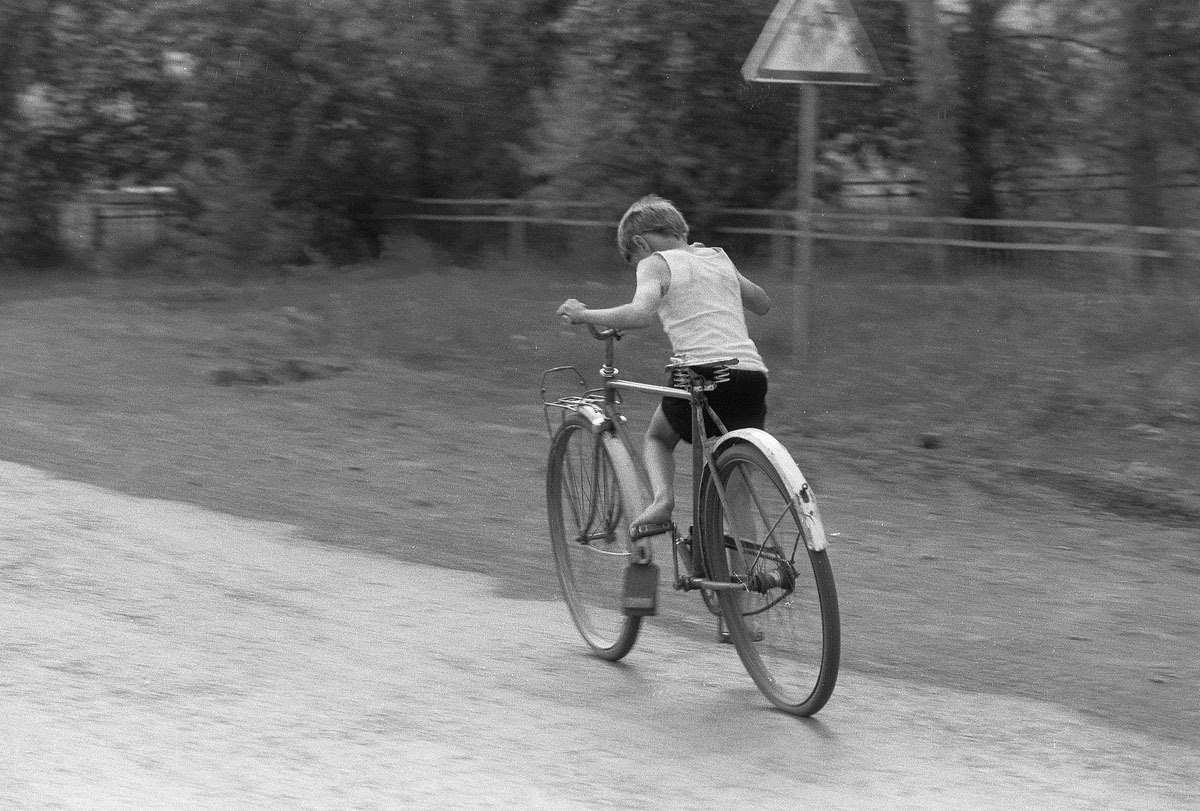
{"x": 572, "y": 310}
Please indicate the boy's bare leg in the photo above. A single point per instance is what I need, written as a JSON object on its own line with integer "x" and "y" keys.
{"x": 659, "y": 456}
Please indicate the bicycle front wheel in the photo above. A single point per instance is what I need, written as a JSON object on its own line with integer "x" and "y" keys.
{"x": 784, "y": 622}
{"x": 589, "y": 532}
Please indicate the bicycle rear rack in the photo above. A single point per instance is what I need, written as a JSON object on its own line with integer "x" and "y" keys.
{"x": 569, "y": 403}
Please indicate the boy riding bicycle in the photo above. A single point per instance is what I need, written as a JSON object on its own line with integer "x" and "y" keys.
{"x": 698, "y": 295}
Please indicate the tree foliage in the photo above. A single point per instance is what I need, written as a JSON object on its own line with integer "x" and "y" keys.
{"x": 650, "y": 97}
{"x": 1055, "y": 86}
{"x": 311, "y": 112}
{"x": 82, "y": 96}
{"x": 325, "y": 107}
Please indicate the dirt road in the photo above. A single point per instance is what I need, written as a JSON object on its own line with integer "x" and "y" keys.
{"x": 1018, "y": 627}
{"x": 159, "y": 655}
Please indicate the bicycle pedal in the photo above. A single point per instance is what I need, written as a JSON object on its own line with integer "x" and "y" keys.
{"x": 640, "y": 598}
{"x": 725, "y": 638}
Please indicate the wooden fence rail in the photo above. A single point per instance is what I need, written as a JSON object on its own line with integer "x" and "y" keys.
{"x": 1114, "y": 256}
{"x": 937, "y": 233}
{"x": 144, "y": 212}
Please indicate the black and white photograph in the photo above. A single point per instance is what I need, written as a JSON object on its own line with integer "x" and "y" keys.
{"x": 600, "y": 404}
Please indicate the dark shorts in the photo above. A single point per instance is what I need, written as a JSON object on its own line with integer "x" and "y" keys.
{"x": 740, "y": 403}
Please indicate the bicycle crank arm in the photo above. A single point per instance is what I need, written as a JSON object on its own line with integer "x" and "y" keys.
{"x": 760, "y": 584}
{"x": 693, "y": 583}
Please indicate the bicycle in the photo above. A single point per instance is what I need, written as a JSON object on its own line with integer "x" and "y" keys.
{"x": 756, "y": 548}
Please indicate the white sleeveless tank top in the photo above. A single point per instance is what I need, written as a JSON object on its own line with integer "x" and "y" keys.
{"x": 702, "y": 310}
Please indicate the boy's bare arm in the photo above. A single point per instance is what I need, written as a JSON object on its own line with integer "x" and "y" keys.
{"x": 638, "y": 313}
{"x": 754, "y": 298}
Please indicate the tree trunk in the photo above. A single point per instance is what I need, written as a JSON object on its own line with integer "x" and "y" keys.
{"x": 1141, "y": 147}
{"x": 936, "y": 96}
{"x": 982, "y": 202}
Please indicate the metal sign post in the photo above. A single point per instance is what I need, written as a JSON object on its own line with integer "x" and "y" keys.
{"x": 806, "y": 155}
{"x": 810, "y": 43}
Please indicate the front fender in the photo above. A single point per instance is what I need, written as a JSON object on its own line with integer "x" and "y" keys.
{"x": 631, "y": 473}
{"x": 798, "y": 487}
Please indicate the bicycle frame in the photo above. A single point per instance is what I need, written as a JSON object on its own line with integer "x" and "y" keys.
{"x": 753, "y": 513}
{"x": 610, "y": 419}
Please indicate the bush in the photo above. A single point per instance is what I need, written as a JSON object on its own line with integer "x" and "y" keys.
{"x": 230, "y": 217}
{"x": 28, "y": 222}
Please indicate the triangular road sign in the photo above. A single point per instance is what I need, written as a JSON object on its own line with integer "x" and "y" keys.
{"x": 813, "y": 41}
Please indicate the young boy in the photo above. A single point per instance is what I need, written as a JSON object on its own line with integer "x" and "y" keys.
{"x": 698, "y": 295}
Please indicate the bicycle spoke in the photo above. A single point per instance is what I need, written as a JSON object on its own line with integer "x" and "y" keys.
{"x": 784, "y": 624}
{"x": 572, "y": 484}
{"x": 762, "y": 513}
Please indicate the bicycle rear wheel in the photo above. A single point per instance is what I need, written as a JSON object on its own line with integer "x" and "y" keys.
{"x": 785, "y": 624}
{"x": 589, "y": 532}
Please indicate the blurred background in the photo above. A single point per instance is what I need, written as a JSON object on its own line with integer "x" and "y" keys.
{"x": 282, "y": 132}
{"x": 313, "y": 250}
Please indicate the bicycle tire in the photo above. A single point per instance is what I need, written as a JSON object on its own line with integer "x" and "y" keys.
{"x": 588, "y": 487}
{"x": 788, "y": 635}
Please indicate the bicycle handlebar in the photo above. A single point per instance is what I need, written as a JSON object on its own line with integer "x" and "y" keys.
{"x": 597, "y": 333}
{"x": 604, "y": 334}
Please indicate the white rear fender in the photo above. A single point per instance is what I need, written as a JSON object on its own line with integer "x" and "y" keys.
{"x": 799, "y": 488}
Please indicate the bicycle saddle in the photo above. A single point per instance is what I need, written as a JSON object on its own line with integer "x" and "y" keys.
{"x": 704, "y": 369}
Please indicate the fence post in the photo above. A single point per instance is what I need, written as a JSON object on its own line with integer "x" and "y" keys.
{"x": 98, "y": 235}
{"x": 516, "y": 233}
{"x": 781, "y": 243}
{"x": 939, "y": 231}
{"x": 160, "y": 218}
{"x": 1126, "y": 238}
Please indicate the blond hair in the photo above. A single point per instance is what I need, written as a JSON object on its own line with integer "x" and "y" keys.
{"x": 650, "y": 215}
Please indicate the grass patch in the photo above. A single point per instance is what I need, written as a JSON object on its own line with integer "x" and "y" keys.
{"x": 995, "y": 367}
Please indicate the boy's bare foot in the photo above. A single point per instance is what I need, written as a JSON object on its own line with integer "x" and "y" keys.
{"x": 654, "y": 520}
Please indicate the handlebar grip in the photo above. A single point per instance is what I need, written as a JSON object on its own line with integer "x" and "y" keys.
{"x": 604, "y": 334}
